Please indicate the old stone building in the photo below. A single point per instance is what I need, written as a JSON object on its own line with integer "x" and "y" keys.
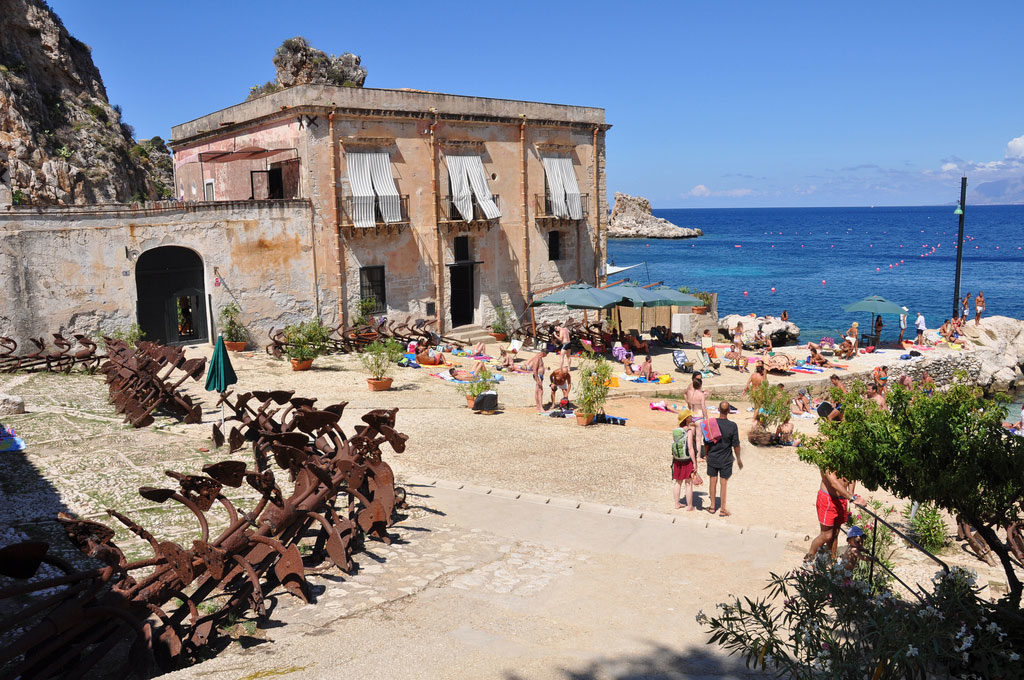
{"x": 305, "y": 201}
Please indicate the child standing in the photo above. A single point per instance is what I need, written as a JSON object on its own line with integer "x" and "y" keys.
{"x": 684, "y": 451}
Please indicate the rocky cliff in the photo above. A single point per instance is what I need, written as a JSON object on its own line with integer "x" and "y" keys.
{"x": 297, "y": 63}
{"x": 781, "y": 332}
{"x": 61, "y": 141}
{"x": 632, "y": 218}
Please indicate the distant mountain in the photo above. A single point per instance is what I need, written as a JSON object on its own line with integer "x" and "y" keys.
{"x": 998, "y": 192}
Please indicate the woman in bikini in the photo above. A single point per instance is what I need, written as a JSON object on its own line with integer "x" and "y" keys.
{"x": 696, "y": 401}
{"x": 881, "y": 378}
{"x": 979, "y": 307}
{"x": 851, "y": 335}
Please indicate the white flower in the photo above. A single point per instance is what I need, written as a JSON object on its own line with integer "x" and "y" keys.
{"x": 911, "y": 650}
{"x": 1014, "y": 656}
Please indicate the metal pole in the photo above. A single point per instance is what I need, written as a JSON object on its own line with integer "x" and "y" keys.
{"x": 959, "y": 247}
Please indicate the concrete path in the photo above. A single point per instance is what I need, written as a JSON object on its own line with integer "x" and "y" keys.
{"x": 493, "y": 584}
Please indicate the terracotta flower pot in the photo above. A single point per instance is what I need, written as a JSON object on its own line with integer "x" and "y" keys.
{"x": 301, "y": 364}
{"x": 470, "y": 400}
{"x": 699, "y": 310}
{"x": 235, "y": 346}
{"x": 500, "y": 337}
{"x": 379, "y": 385}
{"x": 584, "y": 419}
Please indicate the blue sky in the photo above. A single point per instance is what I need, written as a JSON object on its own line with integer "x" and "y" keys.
{"x": 714, "y": 104}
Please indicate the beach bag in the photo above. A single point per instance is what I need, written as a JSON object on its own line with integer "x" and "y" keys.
{"x": 710, "y": 430}
{"x": 695, "y": 477}
{"x": 664, "y": 379}
{"x": 914, "y": 353}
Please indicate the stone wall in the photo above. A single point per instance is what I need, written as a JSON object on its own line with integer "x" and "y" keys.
{"x": 73, "y": 270}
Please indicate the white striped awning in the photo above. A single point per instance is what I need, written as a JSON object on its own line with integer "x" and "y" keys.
{"x": 469, "y": 179}
{"x": 363, "y": 198}
{"x": 384, "y": 185}
{"x": 563, "y": 189}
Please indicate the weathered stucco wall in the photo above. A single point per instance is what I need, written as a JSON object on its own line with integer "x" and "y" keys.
{"x": 73, "y": 270}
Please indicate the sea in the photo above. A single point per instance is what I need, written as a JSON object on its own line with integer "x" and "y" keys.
{"x": 814, "y": 261}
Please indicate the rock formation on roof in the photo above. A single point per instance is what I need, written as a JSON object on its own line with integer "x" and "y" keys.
{"x": 298, "y": 63}
{"x": 61, "y": 141}
{"x": 632, "y": 218}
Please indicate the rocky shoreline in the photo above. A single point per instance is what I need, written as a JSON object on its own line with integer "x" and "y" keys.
{"x": 632, "y": 218}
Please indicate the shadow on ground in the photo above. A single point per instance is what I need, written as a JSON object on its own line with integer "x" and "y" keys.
{"x": 663, "y": 663}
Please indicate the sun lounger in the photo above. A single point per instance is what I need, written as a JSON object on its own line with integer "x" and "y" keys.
{"x": 707, "y": 365}
{"x": 682, "y": 361}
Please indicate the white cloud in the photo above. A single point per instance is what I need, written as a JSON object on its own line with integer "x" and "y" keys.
{"x": 701, "y": 191}
{"x": 1015, "y": 147}
{"x": 949, "y": 167}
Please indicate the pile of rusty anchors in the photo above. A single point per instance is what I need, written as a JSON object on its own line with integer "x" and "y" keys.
{"x": 61, "y": 360}
{"x": 133, "y": 625}
{"x": 139, "y": 381}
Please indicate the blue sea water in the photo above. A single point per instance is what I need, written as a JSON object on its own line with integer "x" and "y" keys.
{"x": 821, "y": 259}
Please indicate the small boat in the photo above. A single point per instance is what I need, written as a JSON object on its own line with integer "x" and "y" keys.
{"x": 10, "y": 442}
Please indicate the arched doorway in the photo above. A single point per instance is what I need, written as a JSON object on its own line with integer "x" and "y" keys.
{"x": 172, "y": 295}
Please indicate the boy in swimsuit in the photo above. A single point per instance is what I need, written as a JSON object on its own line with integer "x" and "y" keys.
{"x": 536, "y": 366}
{"x": 564, "y": 342}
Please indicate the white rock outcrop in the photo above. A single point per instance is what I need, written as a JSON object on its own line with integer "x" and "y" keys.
{"x": 632, "y": 218}
{"x": 781, "y": 332}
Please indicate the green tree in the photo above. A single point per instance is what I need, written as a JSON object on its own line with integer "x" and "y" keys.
{"x": 948, "y": 448}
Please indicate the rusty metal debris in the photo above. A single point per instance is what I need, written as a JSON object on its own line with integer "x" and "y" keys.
{"x": 334, "y": 491}
{"x": 344, "y": 340}
{"x": 61, "y": 359}
{"x": 140, "y": 381}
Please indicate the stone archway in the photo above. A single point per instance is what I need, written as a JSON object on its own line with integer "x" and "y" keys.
{"x": 171, "y": 295}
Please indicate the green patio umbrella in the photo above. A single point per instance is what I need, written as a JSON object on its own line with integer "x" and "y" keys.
{"x": 641, "y": 297}
{"x": 678, "y": 298}
{"x": 874, "y": 304}
{"x": 582, "y": 296}
{"x": 220, "y": 374}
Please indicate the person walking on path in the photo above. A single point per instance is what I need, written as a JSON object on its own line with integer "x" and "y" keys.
{"x": 979, "y": 307}
{"x": 720, "y": 458}
{"x": 564, "y": 345}
{"x": 920, "y": 326}
{"x": 834, "y": 494}
{"x": 684, "y": 458}
{"x": 536, "y": 366}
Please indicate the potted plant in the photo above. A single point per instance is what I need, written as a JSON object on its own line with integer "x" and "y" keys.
{"x": 771, "y": 409}
{"x": 594, "y": 381}
{"x": 502, "y": 323}
{"x": 704, "y": 297}
{"x": 304, "y": 342}
{"x": 484, "y": 381}
{"x": 377, "y": 359}
{"x": 235, "y": 335}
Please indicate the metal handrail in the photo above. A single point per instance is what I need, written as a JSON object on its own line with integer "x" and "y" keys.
{"x": 346, "y": 213}
{"x": 545, "y": 209}
{"x": 449, "y": 213}
{"x": 912, "y": 542}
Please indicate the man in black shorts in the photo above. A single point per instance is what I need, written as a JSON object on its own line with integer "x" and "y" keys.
{"x": 720, "y": 456}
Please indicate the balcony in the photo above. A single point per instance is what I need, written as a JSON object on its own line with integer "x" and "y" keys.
{"x": 451, "y": 214}
{"x": 346, "y": 219}
{"x": 545, "y": 210}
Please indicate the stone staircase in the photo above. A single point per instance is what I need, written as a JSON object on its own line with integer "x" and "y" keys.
{"x": 470, "y": 334}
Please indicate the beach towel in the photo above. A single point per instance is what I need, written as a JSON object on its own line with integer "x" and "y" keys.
{"x": 710, "y": 430}
{"x": 447, "y": 377}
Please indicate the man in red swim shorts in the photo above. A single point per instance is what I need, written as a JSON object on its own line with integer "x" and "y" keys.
{"x": 833, "y": 495}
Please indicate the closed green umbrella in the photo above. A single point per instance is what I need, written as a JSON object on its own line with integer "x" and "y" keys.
{"x": 221, "y": 373}
{"x": 581, "y": 296}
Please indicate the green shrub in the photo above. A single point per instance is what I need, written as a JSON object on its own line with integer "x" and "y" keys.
{"x": 771, "y": 403}
{"x": 484, "y": 382}
{"x": 592, "y": 388}
{"x": 503, "y": 318}
{"x": 927, "y": 527}
{"x": 878, "y": 538}
{"x": 231, "y": 327}
{"x": 64, "y": 152}
{"x": 18, "y": 197}
{"x": 378, "y": 357}
{"x": 704, "y": 296}
{"x": 365, "y": 311}
{"x": 97, "y": 112}
{"x": 130, "y": 334}
{"x": 306, "y": 340}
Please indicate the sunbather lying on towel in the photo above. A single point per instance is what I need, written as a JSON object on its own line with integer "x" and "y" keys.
{"x": 817, "y": 359}
{"x": 467, "y": 376}
{"x": 430, "y": 357}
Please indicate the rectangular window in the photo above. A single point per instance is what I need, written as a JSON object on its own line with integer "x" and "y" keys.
{"x": 371, "y": 285}
{"x": 554, "y": 245}
{"x": 208, "y": 191}
{"x": 462, "y": 249}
